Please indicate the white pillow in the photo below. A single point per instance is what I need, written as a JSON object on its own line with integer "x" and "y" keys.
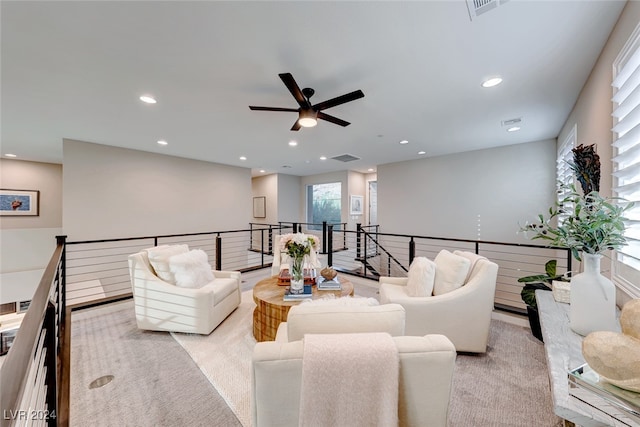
{"x": 421, "y": 276}
{"x": 451, "y": 272}
{"x": 159, "y": 260}
{"x": 473, "y": 257}
{"x": 331, "y": 300}
{"x": 191, "y": 269}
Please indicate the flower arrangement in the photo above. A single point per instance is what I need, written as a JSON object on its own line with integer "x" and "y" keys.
{"x": 297, "y": 246}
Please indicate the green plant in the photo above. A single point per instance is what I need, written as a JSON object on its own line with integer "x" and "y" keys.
{"x": 535, "y": 282}
{"x": 596, "y": 223}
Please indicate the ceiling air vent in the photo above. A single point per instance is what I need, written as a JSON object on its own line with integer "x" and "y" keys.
{"x": 512, "y": 122}
{"x": 345, "y": 158}
{"x": 478, "y": 7}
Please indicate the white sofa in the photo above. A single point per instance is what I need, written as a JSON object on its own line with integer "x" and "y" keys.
{"x": 161, "y": 306}
{"x": 426, "y": 372}
{"x": 463, "y": 315}
{"x": 309, "y": 318}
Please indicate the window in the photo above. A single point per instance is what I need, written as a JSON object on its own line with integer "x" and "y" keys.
{"x": 626, "y": 160}
{"x": 564, "y": 173}
{"x": 324, "y": 204}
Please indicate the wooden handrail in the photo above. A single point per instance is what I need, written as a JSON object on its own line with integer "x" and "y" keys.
{"x": 15, "y": 369}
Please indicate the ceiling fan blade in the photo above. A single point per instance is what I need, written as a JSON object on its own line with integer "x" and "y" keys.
{"x": 252, "y": 107}
{"x": 296, "y": 126}
{"x": 339, "y": 100}
{"x": 332, "y": 119}
{"x": 293, "y": 87}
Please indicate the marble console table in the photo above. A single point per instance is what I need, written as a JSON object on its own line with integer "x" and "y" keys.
{"x": 563, "y": 348}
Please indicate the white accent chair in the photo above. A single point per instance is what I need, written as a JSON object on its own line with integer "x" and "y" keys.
{"x": 161, "y": 306}
{"x": 463, "y": 315}
{"x": 281, "y": 259}
{"x": 426, "y": 373}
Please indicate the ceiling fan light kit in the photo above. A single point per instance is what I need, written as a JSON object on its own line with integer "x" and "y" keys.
{"x": 308, "y": 118}
{"x": 309, "y": 114}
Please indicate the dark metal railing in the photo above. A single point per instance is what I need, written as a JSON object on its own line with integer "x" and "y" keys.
{"x": 392, "y": 254}
{"x": 34, "y": 376}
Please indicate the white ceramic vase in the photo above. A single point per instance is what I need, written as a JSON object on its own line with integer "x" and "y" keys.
{"x": 593, "y": 299}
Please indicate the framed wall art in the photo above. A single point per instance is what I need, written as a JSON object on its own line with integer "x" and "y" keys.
{"x": 19, "y": 202}
{"x": 357, "y": 205}
{"x": 259, "y": 207}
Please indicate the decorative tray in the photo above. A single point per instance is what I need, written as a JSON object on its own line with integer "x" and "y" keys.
{"x": 583, "y": 377}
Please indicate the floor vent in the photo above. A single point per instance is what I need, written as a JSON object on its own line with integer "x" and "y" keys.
{"x": 345, "y": 158}
{"x": 478, "y": 7}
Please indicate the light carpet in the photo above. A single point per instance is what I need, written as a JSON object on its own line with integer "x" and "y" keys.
{"x": 507, "y": 386}
{"x": 224, "y": 356}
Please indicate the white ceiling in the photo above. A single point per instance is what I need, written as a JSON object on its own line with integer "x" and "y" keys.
{"x": 76, "y": 69}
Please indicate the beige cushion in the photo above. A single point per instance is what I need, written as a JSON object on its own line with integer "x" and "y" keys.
{"x": 451, "y": 272}
{"x": 473, "y": 257}
{"x": 191, "y": 269}
{"x": 420, "y": 279}
{"x": 159, "y": 260}
{"x": 327, "y": 319}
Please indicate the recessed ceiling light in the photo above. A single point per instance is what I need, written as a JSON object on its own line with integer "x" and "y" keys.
{"x": 148, "y": 99}
{"x": 10, "y": 155}
{"x": 494, "y": 81}
{"x": 162, "y": 142}
{"x": 370, "y": 170}
{"x": 404, "y": 141}
{"x": 243, "y": 158}
{"x": 513, "y": 129}
{"x": 293, "y": 143}
{"x": 422, "y": 152}
{"x": 262, "y": 171}
{"x": 323, "y": 157}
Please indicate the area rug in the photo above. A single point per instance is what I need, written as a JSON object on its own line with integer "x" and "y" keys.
{"x": 507, "y": 386}
{"x": 224, "y": 356}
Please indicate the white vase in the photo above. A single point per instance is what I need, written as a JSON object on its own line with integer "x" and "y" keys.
{"x": 593, "y": 299}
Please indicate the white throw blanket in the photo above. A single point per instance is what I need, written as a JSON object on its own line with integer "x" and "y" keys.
{"x": 349, "y": 380}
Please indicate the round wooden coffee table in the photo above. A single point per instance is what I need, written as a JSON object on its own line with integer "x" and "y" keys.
{"x": 271, "y": 309}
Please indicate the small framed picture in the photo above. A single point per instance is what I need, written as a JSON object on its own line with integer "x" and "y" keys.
{"x": 357, "y": 203}
{"x": 259, "y": 207}
{"x": 6, "y": 340}
{"x": 19, "y": 202}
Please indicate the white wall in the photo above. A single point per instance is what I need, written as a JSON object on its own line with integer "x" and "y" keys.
{"x": 290, "y": 201}
{"x": 27, "y": 242}
{"x": 447, "y": 196}
{"x": 113, "y": 192}
{"x": 267, "y": 187}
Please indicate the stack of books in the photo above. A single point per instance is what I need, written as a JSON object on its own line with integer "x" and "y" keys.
{"x": 329, "y": 285}
{"x": 306, "y": 294}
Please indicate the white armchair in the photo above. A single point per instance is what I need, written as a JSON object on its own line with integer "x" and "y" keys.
{"x": 161, "y": 306}
{"x": 463, "y": 315}
{"x": 426, "y": 373}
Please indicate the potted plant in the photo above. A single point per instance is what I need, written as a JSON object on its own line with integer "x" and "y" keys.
{"x": 528, "y": 293}
{"x": 587, "y": 224}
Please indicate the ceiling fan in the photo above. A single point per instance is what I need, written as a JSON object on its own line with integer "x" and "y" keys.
{"x": 307, "y": 113}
